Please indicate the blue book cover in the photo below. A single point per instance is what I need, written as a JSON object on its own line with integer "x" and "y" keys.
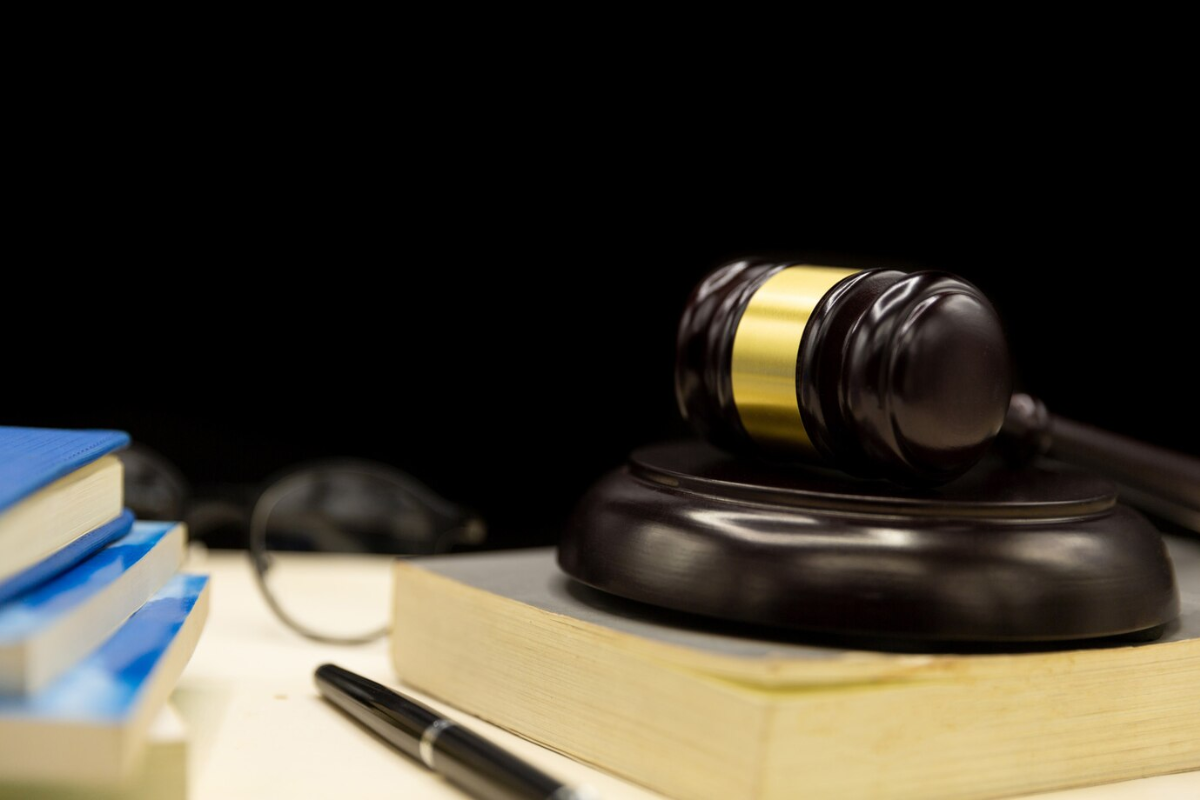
{"x": 32, "y": 458}
{"x": 61, "y": 560}
{"x": 104, "y": 705}
{"x": 46, "y": 630}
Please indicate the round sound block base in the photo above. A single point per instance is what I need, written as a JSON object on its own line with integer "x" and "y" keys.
{"x": 1038, "y": 554}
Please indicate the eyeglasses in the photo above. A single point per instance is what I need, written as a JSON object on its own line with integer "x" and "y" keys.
{"x": 360, "y": 513}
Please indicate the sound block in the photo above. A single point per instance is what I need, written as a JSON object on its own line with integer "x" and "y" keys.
{"x": 1041, "y": 553}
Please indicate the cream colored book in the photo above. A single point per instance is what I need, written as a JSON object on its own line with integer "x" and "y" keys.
{"x": 695, "y": 710}
{"x": 163, "y": 774}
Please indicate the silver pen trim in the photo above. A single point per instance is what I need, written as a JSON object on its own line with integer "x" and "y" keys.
{"x": 429, "y": 737}
{"x": 584, "y": 792}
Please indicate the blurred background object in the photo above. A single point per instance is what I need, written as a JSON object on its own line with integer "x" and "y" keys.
{"x": 505, "y": 333}
{"x": 344, "y": 509}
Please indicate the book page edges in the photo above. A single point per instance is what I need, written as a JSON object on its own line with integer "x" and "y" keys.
{"x": 101, "y": 753}
{"x": 516, "y": 667}
{"x": 775, "y": 676}
{"x": 86, "y": 628}
{"x": 48, "y": 520}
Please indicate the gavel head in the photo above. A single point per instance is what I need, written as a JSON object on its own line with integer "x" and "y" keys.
{"x": 876, "y": 372}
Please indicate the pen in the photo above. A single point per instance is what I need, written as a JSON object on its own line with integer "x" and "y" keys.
{"x": 466, "y": 759}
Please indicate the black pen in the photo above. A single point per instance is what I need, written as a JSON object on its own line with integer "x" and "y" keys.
{"x": 463, "y": 758}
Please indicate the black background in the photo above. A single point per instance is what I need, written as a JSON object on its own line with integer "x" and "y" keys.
{"x": 508, "y": 336}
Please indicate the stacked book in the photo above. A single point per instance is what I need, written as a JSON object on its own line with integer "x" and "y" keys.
{"x": 96, "y": 622}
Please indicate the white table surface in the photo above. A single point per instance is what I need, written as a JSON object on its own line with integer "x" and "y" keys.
{"x": 258, "y": 728}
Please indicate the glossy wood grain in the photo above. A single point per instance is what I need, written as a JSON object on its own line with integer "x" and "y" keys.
{"x": 1035, "y": 554}
{"x": 902, "y": 376}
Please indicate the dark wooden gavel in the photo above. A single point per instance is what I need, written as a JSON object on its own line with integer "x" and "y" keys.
{"x": 1161, "y": 481}
{"x": 881, "y": 373}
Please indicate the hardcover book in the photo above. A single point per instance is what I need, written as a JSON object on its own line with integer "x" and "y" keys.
{"x": 46, "y": 630}
{"x": 89, "y": 726}
{"x": 701, "y": 709}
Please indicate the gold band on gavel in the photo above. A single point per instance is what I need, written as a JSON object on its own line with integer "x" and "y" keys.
{"x": 766, "y": 346}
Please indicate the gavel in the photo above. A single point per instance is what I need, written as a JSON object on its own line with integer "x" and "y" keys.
{"x": 884, "y": 374}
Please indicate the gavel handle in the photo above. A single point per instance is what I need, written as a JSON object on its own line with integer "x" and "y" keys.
{"x": 1161, "y": 481}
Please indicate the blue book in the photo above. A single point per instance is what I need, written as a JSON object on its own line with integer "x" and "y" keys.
{"x": 63, "y": 559}
{"x": 89, "y": 726}
{"x": 46, "y": 630}
{"x": 55, "y": 487}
